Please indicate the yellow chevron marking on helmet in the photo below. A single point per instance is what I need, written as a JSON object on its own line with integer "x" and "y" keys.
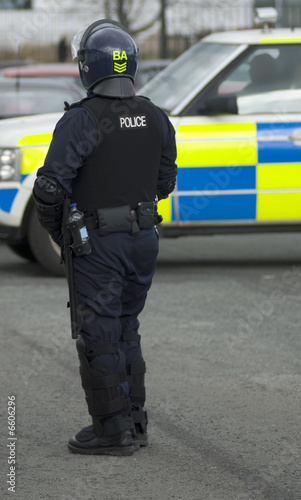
{"x": 120, "y": 68}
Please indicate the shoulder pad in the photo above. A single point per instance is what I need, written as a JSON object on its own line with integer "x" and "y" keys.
{"x": 75, "y": 104}
{"x": 143, "y": 97}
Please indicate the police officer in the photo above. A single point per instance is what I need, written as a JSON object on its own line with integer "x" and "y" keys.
{"x": 113, "y": 153}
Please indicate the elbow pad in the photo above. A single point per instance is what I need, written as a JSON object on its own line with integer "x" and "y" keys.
{"x": 48, "y": 196}
{"x": 48, "y": 190}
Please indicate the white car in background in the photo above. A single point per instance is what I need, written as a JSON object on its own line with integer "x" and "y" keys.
{"x": 235, "y": 101}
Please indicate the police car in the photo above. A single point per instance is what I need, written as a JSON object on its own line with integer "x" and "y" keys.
{"x": 235, "y": 101}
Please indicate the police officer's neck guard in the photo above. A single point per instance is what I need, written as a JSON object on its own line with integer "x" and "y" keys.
{"x": 118, "y": 87}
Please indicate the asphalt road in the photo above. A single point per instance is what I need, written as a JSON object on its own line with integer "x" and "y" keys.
{"x": 221, "y": 338}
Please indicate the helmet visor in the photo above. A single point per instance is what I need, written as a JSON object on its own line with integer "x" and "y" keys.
{"x": 75, "y": 44}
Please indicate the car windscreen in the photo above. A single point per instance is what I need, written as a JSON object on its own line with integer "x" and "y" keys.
{"x": 174, "y": 83}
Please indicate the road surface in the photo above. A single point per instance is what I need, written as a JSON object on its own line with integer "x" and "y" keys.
{"x": 221, "y": 339}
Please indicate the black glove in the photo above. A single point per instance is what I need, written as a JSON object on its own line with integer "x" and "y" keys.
{"x": 57, "y": 237}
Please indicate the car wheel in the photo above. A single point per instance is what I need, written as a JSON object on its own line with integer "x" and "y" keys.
{"x": 22, "y": 250}
{"x": 46, "y": 252}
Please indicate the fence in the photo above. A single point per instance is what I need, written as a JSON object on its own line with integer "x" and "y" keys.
{"x": 36, "y": 34}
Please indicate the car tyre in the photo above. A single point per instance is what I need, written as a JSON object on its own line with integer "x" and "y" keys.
{"x": 46, "y": 252}
{"x": 22, "y": 250}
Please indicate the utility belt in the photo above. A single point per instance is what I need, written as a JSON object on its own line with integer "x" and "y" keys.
{"x": 124, "y": 219}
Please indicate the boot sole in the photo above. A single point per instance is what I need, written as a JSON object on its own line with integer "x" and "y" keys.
{"x": 143, "y": 444}
{"x": 118, "y": 451}
{"x": 139, "y": 444}
{"x": 142, "y": 440}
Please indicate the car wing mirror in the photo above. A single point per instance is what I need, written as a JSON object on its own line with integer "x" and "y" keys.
{"x": 219, "y": 104}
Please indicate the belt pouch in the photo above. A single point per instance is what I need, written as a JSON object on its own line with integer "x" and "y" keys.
{"x": 146, "y": 214}
{"x": 115, "y": 219}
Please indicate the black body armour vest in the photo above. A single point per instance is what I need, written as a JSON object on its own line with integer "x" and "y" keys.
{"x": 123, "y": 167}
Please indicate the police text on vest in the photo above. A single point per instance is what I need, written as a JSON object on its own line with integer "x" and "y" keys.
{"x": 127, "y": 122}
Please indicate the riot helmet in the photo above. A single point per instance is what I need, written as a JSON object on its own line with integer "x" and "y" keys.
{"x": 104, "y": 50}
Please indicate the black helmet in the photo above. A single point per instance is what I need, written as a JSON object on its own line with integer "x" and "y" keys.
{"x": 104, "y": 50}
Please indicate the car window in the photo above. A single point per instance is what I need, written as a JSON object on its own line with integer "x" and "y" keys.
{"x": 73, "y": 79}
{"x": 264, "y": 70}
{"x": 146, "y": 74}
{"x": 264, "y": 81}
{"x": 276, "y": 102}
{"x": 174, "y": 83}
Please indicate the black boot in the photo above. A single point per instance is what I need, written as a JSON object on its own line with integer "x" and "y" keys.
{"x": 140, "y": 438}
{"x": 87, "y": 443}
{"x": 140, "y": 420}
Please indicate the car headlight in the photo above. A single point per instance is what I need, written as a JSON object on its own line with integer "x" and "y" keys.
{"x": 9, "y": 165}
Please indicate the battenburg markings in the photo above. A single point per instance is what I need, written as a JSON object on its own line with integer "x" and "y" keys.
{"x": 127, "y": 122}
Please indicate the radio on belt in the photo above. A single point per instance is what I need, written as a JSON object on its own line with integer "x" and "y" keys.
{"x": 75, "y": 223}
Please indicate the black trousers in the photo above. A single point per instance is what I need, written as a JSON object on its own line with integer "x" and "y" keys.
{"x": 112, "y": 284}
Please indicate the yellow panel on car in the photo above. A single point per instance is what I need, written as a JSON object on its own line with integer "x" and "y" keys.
{"x": 164, "y": 209}
{"x": 215, "y": 153}
{"x": 276, "y": 206}
{"x": 32, "y": 158}
{"x": 37, "y": 139}
{"x": 216, "y": 130}
{"x": 216, "y": 144}
{"x": 278, "y": 175}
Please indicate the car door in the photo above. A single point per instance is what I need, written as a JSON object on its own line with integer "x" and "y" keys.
{"x": 239, "y": 144}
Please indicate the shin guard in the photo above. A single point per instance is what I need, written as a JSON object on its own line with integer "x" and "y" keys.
{"x": 109, "y": 411}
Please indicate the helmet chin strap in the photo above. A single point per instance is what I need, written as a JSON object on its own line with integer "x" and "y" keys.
{"x": 117, "y": 86}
